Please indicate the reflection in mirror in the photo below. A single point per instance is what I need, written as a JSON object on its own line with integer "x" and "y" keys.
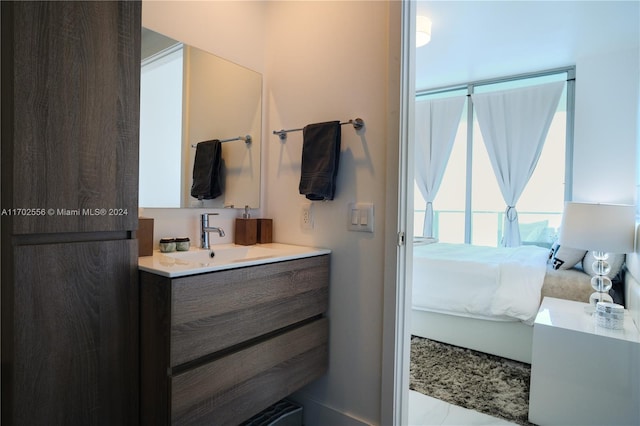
{"x": 189, "y": 96}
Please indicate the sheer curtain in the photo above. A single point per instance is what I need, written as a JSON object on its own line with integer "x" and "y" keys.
{"x": 514, "y": 125}
{"x": 437, "y": 121}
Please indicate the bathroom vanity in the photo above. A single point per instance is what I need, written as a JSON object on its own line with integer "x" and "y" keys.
{"x": 224, "y": 337}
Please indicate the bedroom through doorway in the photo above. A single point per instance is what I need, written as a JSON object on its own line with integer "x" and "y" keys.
{"x": 477, "y": 48}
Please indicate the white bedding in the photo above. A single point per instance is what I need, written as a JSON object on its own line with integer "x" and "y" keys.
{"x": 502, "y": 284}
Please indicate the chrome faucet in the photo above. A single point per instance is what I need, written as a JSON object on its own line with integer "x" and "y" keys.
{"x": 205, "y": 229}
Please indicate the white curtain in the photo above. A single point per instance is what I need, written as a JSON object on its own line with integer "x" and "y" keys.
{"x": 514, "y": 125}
{"x": 436, "y": 123}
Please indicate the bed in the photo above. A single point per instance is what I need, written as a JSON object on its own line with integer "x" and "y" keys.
{"x": 486, "y": 298}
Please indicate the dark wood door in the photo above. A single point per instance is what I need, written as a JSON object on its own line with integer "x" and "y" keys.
{"x": 70, "y": 116}
{"x": 76, "y": 334}
{"x": 71, "y": 78}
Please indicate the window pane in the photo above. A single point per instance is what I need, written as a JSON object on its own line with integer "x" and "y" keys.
{"x": 450, "y": 225}
{"x": 540, "y": 205}
{"x": 487, "y": 204}
{"x": 419, "y": 207}
{"x": 448, "y": 205}
{"x": 542, "y": 201}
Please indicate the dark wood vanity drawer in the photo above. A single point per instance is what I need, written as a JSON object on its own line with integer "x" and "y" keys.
{"x": 212, "y": 312}
{"x": 235, "y": 387}
{"x": 220, "y": 347}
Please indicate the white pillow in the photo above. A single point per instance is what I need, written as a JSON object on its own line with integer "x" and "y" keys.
{"x": 533, "y": 231}
{"x": 563, "y": 257}
{"x": 615, "y": 261}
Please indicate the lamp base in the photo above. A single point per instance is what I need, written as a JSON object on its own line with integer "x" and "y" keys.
{"x": 599, "y": 297}
{"x": 594, "y": 299}
{"x": 600, "y": 282}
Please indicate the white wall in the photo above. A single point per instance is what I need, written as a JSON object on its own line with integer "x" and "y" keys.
{"x": 329, "y": 61}
{"x": 606, "y": 127}
{"x": 233, "y": 30}
{"x": 607, "y": 141}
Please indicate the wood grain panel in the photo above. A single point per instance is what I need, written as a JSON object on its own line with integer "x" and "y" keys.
{"x": 76, "y": 334}
{"x": 155, "y": 323}
{"x": 235, "y": 387}
{"x": 228, "y": 386}
{"x": 70, "y": 112}
{"x": 74, "y": 137}
{"x": 212, "y": 312}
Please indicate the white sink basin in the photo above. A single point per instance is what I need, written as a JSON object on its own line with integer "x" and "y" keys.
{"x": 225, "y": 256}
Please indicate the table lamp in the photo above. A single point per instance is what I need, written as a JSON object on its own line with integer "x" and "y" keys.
{"x": 603, "y": 229}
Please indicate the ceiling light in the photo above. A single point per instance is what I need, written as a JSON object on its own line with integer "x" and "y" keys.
{"x": 423, "y": 30}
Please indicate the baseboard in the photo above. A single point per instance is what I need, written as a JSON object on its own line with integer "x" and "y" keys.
{"x": 316, "y": 413}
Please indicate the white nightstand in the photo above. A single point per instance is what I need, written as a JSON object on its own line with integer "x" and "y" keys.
{"x": 582, "y": 374}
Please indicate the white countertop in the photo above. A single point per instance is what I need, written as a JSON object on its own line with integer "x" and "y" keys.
{"x": 226, "y": 256}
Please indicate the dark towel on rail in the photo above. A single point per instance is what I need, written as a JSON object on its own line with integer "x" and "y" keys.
{"x": 206, "y": 170}
{"x": 320, "y": 158}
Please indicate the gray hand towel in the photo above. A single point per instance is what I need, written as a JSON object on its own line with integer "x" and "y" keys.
{"x": 206, "y": 170}
{"x": 320, "y": 159}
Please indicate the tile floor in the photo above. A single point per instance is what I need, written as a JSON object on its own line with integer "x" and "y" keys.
{"x": 426, "y": 411}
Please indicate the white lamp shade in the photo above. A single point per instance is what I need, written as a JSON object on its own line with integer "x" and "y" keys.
{"x": 423, "y": 30}
{"x": 601, "y": 227}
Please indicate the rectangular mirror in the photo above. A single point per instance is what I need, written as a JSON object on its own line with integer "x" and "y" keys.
{"x": 189, "y": 96}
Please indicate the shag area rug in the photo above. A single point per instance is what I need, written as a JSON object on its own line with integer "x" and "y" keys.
{"x": 475, "y": 380}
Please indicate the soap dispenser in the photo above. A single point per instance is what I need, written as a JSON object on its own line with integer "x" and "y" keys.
{"x": 246, "y": 231}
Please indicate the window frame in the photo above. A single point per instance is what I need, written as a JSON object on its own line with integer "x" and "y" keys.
{"x": 569, "y": 71}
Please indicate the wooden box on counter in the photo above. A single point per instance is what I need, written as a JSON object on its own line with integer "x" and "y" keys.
{"x": 246, "y": 232}
{"x": 145, "y": 236}
{"x": 265, "y": 231}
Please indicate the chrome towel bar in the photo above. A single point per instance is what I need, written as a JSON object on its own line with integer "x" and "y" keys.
{"x": 357, "y": 123}
{"x": 246, "y": 139}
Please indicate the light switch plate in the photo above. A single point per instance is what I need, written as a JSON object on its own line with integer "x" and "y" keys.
{"x": 360, "y": 217}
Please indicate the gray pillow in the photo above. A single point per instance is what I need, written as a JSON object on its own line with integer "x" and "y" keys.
{"x": 563, "y": 257}
{"x": 615, "y": 261}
